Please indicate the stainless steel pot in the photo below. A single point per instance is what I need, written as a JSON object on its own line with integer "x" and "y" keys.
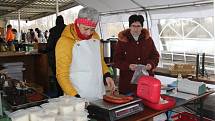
{"x": 108, "y": 49}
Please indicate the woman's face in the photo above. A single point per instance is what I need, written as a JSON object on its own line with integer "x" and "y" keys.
{"x": 86, "y": 30}
{"x": 136, "y": 28}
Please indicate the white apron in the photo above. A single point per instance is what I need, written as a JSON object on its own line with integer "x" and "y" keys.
{"x": 86, "y": 69}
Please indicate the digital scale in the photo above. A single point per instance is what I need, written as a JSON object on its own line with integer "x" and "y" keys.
{"x": 100, "y": 109}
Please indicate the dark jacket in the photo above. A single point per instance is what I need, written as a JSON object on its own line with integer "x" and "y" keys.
{"x": 128, "y": 51}
{"x": 54, "y": 35}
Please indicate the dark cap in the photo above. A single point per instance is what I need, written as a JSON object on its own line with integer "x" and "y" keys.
{"x": 136, "y": 18}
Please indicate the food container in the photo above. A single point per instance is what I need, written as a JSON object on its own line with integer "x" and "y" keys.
{"x": 50, "y": 107}
{"x": 80, "y": 116}
{"x": 46, "y": 117}
{"x": 34, "y": 112}
{"x": 66, "y": 108}
{"x": 79, "y": 105}
{"x": 64, "y": 118}
{"x": 19, "y": 115}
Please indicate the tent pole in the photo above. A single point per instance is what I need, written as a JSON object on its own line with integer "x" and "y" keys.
{"x": 147, "y": 19}
{"x": 100, "y": 28}
{"x": 145, "y": 11}
{"x": 57, "y": 8}
{"x": 19, "y": 28}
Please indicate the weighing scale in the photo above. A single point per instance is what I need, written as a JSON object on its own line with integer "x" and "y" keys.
{"x": 100, "y": 109}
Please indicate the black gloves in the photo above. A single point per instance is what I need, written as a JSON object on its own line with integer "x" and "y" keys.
{"x": 78, "y": 96}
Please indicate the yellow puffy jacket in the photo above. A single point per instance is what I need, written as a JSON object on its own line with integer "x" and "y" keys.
{"x": 63, "y": 53}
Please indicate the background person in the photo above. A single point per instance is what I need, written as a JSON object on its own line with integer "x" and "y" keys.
{"x": 10, "y": 38}
{"x": 55, "y": 33}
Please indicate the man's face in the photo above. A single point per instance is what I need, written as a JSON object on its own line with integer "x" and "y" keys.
{"x": 86, "y": 30}
{"x": 136, "y": 28}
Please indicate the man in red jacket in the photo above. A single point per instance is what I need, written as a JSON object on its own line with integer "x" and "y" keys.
{"x": 134, "y": 46}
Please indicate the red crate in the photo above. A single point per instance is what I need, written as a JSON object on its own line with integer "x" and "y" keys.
{"x": 185, "y": 116}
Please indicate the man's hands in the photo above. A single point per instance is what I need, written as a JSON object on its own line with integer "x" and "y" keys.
{"x": 133, "y": 67}
{"x": 110, "y": 84}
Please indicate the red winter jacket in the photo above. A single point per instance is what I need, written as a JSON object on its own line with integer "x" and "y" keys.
{"x": 128, "y": 51}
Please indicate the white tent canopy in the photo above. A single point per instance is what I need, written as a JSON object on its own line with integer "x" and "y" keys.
{"x": 113, "y": 6}
{"x": 155, "y": 9}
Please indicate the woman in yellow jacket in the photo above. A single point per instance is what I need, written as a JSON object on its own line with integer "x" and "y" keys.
{"x": 80, "y": 66}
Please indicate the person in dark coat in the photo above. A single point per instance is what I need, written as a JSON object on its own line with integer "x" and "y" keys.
{"x": 55, "y": 34}
{"x": 134, "y": 46}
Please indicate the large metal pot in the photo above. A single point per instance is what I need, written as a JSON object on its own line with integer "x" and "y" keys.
{"x": 108, "y": 49}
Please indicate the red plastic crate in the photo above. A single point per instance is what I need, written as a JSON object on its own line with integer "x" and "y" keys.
{"x": 185, "y": 116}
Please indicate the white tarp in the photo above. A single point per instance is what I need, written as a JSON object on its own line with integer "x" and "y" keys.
{"x": 107, "y": 6}
{"x": 184, "y": 12}
{"x": 157, "y": 9}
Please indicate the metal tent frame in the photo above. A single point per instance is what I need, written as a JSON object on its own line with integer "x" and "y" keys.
{"x": 32, "y": 9}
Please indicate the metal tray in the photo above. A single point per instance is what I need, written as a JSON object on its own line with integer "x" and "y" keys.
{"x": 28, "y": 100}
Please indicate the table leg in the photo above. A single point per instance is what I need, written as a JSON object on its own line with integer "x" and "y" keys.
{"x": 200, "y": 109}
{"x": 1, "y": 107}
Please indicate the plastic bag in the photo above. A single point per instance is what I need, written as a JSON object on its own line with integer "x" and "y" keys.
{"x": 140, "y": 70}
{"x": 161, "y": 117}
